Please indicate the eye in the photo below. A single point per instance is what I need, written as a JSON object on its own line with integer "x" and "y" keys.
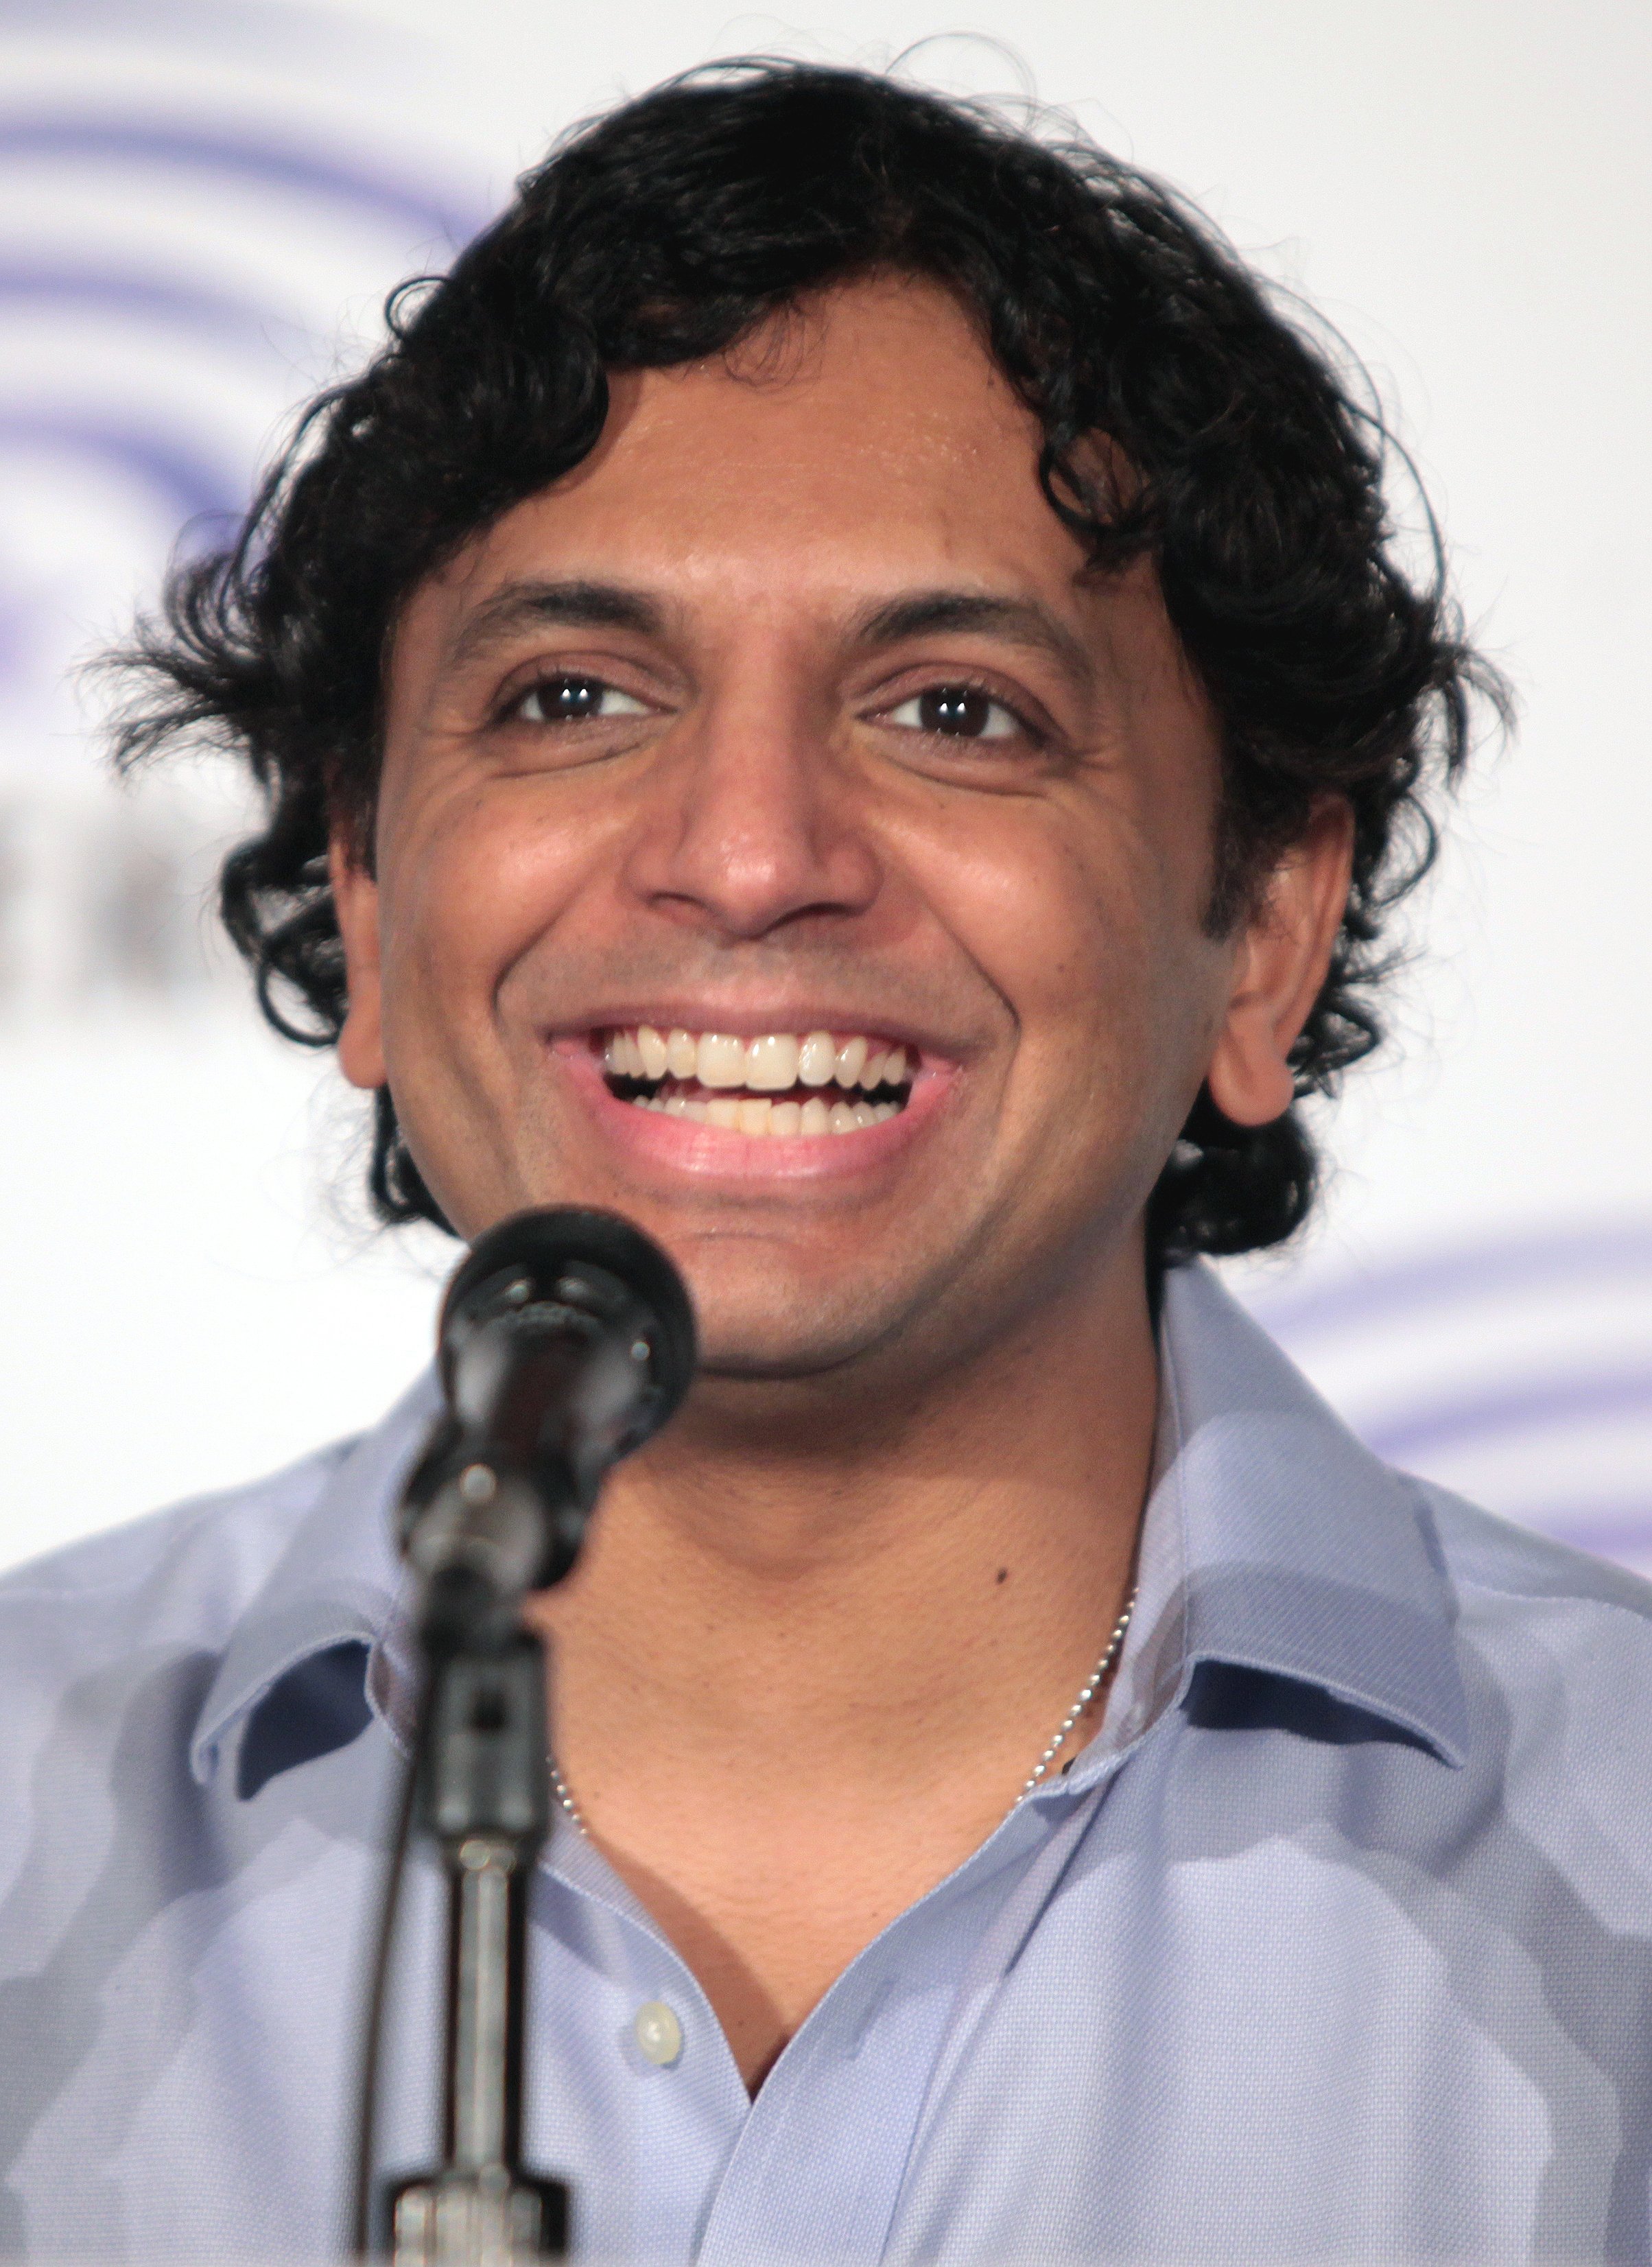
{"x": 572, "y": 699}
{"x": 958, "y": 712}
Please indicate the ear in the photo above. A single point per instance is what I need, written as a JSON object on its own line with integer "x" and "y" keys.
{"x": 356, "y": 900}
{"x": 1280, "y": 967}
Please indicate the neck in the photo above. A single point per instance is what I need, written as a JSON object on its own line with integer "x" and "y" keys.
{"x": 886, "y": 1583}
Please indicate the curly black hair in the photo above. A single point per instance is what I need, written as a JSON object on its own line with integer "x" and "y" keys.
{"x": 670, "y": 229}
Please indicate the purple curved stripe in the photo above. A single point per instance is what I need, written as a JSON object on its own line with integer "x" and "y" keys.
{"x": 182, "y": 303}
{"x": 198, "y": 486}
{"x": 1609, "y": 1534}
{"x": 1470, "y": 1272}
{"x": 1516, "y": 1408}
{"x": 195, "y": 150}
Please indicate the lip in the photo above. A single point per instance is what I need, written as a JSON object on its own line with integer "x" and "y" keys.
{"x": 714, "y": 1153}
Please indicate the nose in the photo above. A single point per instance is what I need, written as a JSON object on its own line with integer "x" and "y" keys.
{"x": 753, "y": 824}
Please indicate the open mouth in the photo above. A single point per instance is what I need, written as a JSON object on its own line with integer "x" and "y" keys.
{"x": 784, "y": 1083}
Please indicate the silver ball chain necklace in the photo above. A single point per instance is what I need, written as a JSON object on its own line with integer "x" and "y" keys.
{"x": 1087, "y": 1693}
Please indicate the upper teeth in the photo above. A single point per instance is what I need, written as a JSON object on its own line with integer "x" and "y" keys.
{"x": 769, "y": 1065}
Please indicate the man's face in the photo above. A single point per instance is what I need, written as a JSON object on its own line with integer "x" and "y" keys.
{"x": 791, "y": 720}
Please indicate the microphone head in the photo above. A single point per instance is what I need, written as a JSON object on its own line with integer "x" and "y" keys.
{"x": 575, "y": 1258}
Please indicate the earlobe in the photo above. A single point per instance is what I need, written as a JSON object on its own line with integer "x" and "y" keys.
{"x": 1279, "y": 969}
{"x": 356, "y": 900}
{"x": 1250, "y": 1078}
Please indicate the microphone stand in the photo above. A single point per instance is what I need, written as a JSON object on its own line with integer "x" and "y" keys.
{"x": 481, "y": 1791}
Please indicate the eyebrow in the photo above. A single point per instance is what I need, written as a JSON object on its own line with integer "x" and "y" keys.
{"x": 579, "y": 604}
{"x": 575, "y": 604}
{"x": 1020, "y": 620}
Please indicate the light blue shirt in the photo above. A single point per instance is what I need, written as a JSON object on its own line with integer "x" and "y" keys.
{"x": 1335, "y": 1944}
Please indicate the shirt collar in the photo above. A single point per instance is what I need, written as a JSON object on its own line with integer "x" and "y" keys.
{"x": 1274, "y": 1540}
{"x": 339, "y": 1578}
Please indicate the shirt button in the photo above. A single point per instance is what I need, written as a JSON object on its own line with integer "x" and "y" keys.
{"x": 658, "y": 2033}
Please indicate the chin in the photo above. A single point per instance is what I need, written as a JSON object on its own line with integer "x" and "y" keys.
{"x": 753, "y": 1323}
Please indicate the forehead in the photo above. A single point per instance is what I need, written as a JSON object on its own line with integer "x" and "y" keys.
{"x": 865, "y": 438}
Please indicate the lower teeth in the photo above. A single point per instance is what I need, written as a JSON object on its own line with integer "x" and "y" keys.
{"x": 760, "y": 1115}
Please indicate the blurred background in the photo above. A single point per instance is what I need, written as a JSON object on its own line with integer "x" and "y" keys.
{"x": 202, "y": 208}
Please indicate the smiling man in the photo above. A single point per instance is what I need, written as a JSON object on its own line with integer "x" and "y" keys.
{"x": 840, "y": 689}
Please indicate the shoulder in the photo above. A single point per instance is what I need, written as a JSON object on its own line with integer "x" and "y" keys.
{"x": 108, "y": 1649}
{"x": 1496, "y": 1565}
{"x": 184, "y": 1573}
{"x": 1556, "y": 1651}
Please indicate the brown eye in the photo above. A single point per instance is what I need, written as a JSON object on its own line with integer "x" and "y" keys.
{"x": 957, "y": 712}
{"x": 569, "y": 700}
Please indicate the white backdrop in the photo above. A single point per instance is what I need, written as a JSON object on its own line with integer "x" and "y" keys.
{"x": 202, "y": 206}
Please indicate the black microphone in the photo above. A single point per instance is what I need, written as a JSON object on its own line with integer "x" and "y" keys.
{"x": 566, "y": 1340}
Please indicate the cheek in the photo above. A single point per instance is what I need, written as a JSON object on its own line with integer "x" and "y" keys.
{"x": 1088, "y": 932}
{"x": 1065, "y": 922}
{"x": 470, "y": 883}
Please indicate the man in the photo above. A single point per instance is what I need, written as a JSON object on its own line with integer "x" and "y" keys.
{"x": 840, "y": 689}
